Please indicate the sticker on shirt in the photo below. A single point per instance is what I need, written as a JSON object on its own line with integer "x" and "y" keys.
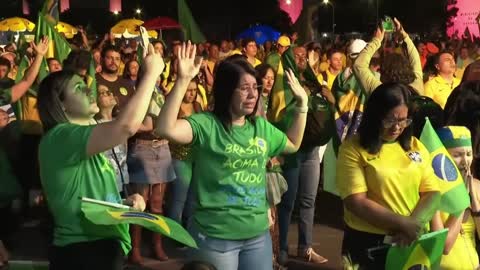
{"x": 415, "y": 157}
{"x": 123, "y": 91}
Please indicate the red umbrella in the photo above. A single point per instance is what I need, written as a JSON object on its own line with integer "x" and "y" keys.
{"x": 161, "y": 23}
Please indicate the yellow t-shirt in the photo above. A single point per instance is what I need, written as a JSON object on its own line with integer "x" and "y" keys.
{"x": 439, "y": 89}
{"x": 30, "y": 120}
{"x": 463, "y": 254}
{"x": 392, "y": 178}
{"x": 330, "y": 78}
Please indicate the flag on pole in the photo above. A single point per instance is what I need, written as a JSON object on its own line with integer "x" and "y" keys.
{"x": 425, "y": 253}
{"x": 189, "y": 26}
{"x": 455, "y": 196}
{"x": 104, "y": 213}
{"x": 58, "y": 47}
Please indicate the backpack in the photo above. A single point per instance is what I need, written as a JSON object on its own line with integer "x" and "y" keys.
{"x": 320, "y": 126}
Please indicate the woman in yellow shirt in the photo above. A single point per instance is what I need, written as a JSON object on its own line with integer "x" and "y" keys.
{"x": 459, "y": 252}
{"x": 385, "y": 179}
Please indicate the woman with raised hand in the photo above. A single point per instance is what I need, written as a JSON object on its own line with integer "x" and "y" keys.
{"x": 230, "y": 149}
{"x": 72, "y": 165}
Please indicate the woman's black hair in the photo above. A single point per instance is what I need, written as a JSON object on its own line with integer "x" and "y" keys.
{"x": 228, "y": 77}
{"x": 422, "y": 107}
{"x": 51, "y": 93}
{"x": 262, "y": 70}
{"x": 126, "y": 72}
{"x": 385, "y": 98}
{"x": 463, "y": 109}
{"x": 77, "y": 60}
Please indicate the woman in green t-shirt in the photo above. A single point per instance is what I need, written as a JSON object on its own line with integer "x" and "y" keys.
{"x": 230, "y": 149}
{"x": 72, "y": 165}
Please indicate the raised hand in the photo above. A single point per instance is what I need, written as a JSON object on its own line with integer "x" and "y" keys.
{"x": 297, "y": 89}
{"x": 41, "y": 47}
{"x": 153, "y": 62}
{"x": 399, "y": 28}
{"x": 380, "y": 33}
{"x": 312, "y": 60}
{"x": 188, "y": 65}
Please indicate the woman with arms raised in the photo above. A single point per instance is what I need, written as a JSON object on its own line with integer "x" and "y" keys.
{"x": 230, "y": 149}
{"x": 72, "y": 165}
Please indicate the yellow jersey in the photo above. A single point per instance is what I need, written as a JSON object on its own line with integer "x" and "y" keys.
{"x": 463, "y": 255}
{"x": 439, "y": 89}
{"x": 393, "y": 178}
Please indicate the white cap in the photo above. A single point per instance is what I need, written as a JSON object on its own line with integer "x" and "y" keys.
{"x": 356, "y": 47}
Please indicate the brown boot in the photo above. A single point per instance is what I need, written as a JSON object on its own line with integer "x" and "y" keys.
{"x": 158, "y": 247}
{"x": 135, "y": 256}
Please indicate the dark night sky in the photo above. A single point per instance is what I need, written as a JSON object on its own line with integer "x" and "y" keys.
{"x": 224, "y": 18}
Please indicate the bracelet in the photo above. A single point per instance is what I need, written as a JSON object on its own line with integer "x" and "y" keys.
{"x": 301, "y": 109}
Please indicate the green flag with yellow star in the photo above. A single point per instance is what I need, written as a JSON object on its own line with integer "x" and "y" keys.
{"x": 105, "y": 213}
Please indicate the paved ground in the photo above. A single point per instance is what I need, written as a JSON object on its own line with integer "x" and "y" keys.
{"x": 31, "y": 243}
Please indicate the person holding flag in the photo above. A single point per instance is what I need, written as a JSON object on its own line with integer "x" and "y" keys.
{"x": 72, "y": 165}
{"x": 460, "y": 248}
{"x": 385, "y": 179}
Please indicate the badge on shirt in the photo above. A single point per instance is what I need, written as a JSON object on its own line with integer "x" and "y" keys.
{"x": 415, "y": 157}
{"x": 123, "y": 91}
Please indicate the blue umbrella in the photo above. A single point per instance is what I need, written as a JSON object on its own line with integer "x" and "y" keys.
{"x": 260, "y": 33}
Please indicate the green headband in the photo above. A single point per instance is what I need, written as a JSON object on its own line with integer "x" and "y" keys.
{"x": 455, "y": 136}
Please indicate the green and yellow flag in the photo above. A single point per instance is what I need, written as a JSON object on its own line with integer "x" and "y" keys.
{"x": 104, "y": 213}
{"x": 454, "y": 193}
{"x": 282, "y": 102}
{"x": 425, "y": 253}
{"x": 58, "y": 46}
{"x": 320, "y": 122}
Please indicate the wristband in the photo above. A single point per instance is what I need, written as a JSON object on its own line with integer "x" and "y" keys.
{"x": 301, "y": 109}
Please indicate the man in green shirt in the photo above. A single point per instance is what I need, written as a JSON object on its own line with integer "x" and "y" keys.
{"x": 273, "y": 59}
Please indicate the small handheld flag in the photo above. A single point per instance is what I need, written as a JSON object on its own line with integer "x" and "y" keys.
{"x": 425, "y": 253}
{"x": 106, "y": 213}
{"x": 454, "y": 193}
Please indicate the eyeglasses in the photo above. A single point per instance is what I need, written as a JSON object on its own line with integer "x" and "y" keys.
{"x": 105, "y": 93}
{"x": 389, "y": 123}
{"x": 244, "y": 90}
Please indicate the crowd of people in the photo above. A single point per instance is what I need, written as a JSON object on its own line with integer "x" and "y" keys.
{"x": 186, "y": 132}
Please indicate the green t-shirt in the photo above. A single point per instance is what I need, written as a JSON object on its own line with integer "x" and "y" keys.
{"x": 67, "y": 174}
{"x": 229, "y": 175}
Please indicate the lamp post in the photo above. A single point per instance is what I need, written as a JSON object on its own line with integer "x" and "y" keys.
{"x": 326, "y": 2}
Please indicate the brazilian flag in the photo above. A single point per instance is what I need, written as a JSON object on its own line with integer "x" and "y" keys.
{"x": 105, "y": 213}
{"x": 282, "y": 102}
{"x": 454, "y": 193}
{"x": 58, "y": 48}
{"x": 320, "y": 122}
{"x": 424, "y": 254}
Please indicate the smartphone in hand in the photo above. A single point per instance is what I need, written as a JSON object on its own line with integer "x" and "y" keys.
{"x": 144, "y": 37}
